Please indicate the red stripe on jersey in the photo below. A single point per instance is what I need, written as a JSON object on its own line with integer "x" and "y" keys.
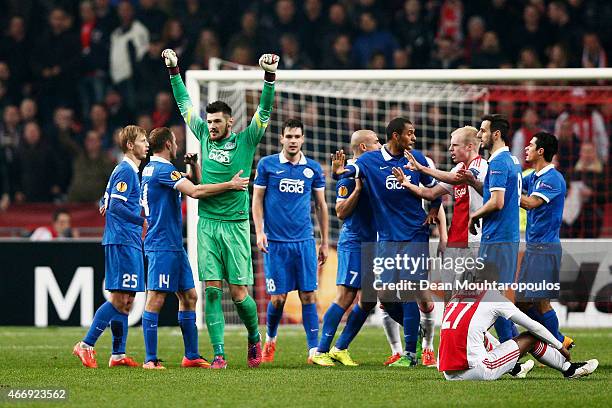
{"x": 458, "y": 231}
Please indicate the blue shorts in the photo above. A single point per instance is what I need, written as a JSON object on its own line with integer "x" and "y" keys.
{"x": 349, "y": 268}
{"x": 124, "y": 267}
{"x": 290, "y": 266}
{"x": 169, "y": 271}
{"x": 402, "y": 261}
{"x": 502, "y": 257}
{"x": 540, "y": 268}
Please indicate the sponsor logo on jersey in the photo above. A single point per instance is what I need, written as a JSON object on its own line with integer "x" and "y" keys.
{"x": 175, "y": 175}
{"x": 391, "y": 182}
{"x": 540, "y": 184}
{"x": 220, "y": 156}
{"x": 460, "y": 191}
{"x": 121, "y": 186}
{"x": 343, "y": 191}
{"x": 496, "y": 172}
{"x": 229, "y": 146}
{"x": 288, "y": 185}
{"x": 308, "y": 172}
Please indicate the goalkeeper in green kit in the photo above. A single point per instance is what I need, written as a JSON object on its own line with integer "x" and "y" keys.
{"x": 224, "y": 250}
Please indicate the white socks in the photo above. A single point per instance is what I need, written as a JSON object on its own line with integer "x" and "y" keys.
{"x": 392, "y": 331}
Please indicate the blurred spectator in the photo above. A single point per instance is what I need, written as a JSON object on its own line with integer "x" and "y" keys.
{"x": 163, "y": 115}
{"x": 5, "y": 186}
{"x": 474, "y": 38}
{"x": 593, "y": 54}
{"x": 372, "y": 40}
{"x": 549, "y": 116}
{"x": 451, "y": 21}
{"x": 340, "y": 57}
{"x": 531, "y": 32}
{"x": 490, "y": 55}
{"x": 129, "y": 43}
{"x": 562, "y": 31}
{"x": 557, "y": 56}
{"x": 522, "y": 137}
{"x": 115, "y": 154}
{"x": 401, "y": 59}
{"x": 291, "y": 57}
{"x": 91, "y": 171}
{"x": 60, "y": 228}
{"x": 251, "y": 34}
{"x": 98, "y": 122}
{"x": 588, "y": 124}
{"x": 106, "y": 16}
{"x": 150, "y": 15}
{"x": 503, "y": 13}
{"x": 434, "y": 127}
{"x": 569, "y": 148}
{"x": 242, "y": 54}
{"x": 144, "y": 121}
{"x": 37, "y": 168}
{"x": 55, "y": 62}
{"x": 9, "y": 92}
{"x": 584, "y": 209}
{"x": 65, "y": 141}
{"x": 528, "y": 58}
{"x": 118, "y": 114}
{"x": 207, "y": 47}
{"x": 28, "y": 110}
{"x": 174, "y": 37}
{"x": 15, "y": 49}
{"x": 337, "y": 24}
{"x": 414, "y": 33}
{"x": 312, "y": 20}
{"x": 285, "y": 19}
{"x": 447, "y": 56}
{"x": 94, "y": 53}
{"x": 194, "y": 17}
{"x": 10, "y": 131}
{"x": 151, "y": 78}
{"x": 377, "y": 61}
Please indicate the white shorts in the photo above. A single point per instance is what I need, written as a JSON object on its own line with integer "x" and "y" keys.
{"x": 493, "y": 365}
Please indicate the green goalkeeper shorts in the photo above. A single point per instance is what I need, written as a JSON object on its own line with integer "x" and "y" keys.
{"x": 224, "y": 251}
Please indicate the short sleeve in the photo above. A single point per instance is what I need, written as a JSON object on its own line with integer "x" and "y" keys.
{"x": 547, "y": 189}
{"x": 498, "y": 175}
{"x": 261, "y": 175}
{"x": 169, "y": 176}
{"x": 344, "y": 188}
{"x": 426, "y": 180}
{"x": 319, "y": 178}
{"x": 526, "y": 182}
{"x": 121, "y": 184}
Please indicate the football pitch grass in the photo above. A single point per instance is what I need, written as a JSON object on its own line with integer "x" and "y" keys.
{"x": 32, "y": 358}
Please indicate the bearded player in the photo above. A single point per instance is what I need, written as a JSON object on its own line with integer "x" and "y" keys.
{"x": 224, "y": 250}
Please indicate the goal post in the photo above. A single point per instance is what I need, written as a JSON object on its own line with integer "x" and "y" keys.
{"x": 334, "y": 103}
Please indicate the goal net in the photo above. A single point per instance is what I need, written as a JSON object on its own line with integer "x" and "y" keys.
{"x": 331, "y": 109}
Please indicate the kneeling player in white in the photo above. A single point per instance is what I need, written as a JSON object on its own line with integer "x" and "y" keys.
{"x": 463, "y": 356}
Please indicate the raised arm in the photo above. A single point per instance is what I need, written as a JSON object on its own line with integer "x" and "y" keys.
{"x": 256, "y": 129}
{"x": 427, "y": 193}
{"x": 346, "y": 205}
{"x": 192, "y": 118}
{"x": 444, "y": 176}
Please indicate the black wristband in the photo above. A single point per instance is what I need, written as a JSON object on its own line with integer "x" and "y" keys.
{"x": 269, "y": 76}
{"x": 174, "y": 70}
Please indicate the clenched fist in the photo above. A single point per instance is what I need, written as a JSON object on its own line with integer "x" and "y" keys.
{"x": 170, "y": 58}
{"x": 269, "y": 62}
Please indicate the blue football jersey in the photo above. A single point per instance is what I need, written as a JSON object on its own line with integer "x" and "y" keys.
{"x": 504, "y": 174}
{"x": 287, "y": 200}
{"x": 398, "y": 213}
{"x": 123, "y": 185}
{"x": 162, "y": 205}
{"x": 544, "y": 222}
{"x": 359, "y": 226}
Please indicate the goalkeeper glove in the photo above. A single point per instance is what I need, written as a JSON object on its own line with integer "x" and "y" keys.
{"x": 171, "y": 61}
{"x": 269, "y": 63}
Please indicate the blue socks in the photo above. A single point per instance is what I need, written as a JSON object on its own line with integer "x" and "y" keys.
{"x": 310, "y": 319}
{"x": 355, "y": 321}
{"x": 504, "y": 329}
{"x": 149, "y": 329}
{"x": 186, "y": 320}
{"x": 551, "y": 322}
{"x": 274, "y": 316}
{"x": 119, "y": 328}
{"x": 101, "y": 320}
{"x": 411, "y": 321}
{"x": 331, "y": 320}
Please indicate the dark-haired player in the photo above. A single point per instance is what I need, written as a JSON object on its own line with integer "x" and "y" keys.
{"x": 169, "y": 270}
{"x": 544, "y": 199}
{"x": 224, "y": 248}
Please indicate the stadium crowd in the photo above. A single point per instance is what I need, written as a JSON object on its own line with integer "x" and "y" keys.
{"x": 73, "y": 72}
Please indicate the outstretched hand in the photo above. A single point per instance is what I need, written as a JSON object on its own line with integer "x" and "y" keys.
{"x": 338, "y": 162}
{"x": 466, "y": 177}
{"x": 239, "y": 183}
{"x": 191, "y": 159}
{"x": 413, "y": 164}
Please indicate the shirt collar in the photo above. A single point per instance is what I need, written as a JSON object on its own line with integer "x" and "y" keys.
{"x": 131, "y": 163}
{"x": 283, "y": 159}
{"x": 159, "y": 159}
{"x": 545, "y": 169}
{"x": 503, "y": 149}
{"x": 385, "y": 153}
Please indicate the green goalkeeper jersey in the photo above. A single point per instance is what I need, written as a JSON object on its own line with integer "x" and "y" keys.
{"x": 222, "y": 159}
